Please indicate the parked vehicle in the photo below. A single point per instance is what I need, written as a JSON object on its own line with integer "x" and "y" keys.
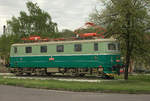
{"x": 78, "y": 57}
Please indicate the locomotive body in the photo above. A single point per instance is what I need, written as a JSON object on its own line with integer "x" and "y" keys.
{"x": 78, "y": 56}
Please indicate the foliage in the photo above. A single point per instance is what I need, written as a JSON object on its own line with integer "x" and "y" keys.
{"x": 128, "y": 21}
{"x": 65, "y": 33}
{"x": 87, "y": 30}
{"x": 5, "y": 42}
{"x": 34, "y": 22}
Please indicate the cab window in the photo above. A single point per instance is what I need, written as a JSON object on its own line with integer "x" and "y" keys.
{"x": 28, "y": 49}
{"x": 60, "y": 48}
{"x": 118, "y": 46}
{"x": 15, "y": 50}
{"x": 111, "y": 46}
{"x": 95, "y": 46}
{"x": 43, "y": 49}
{"x": 77, "y": 47}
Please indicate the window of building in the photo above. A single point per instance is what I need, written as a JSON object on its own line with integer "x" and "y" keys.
{"x": 15, "y": 50}
{"x": 28, "y": 49}
{"x": 77, "y": 47}
{"x": 111, "y": 46}
{"x": 43, "y": 49}
{"x": 60, "y": 48}
{"x": 95, "y": 46}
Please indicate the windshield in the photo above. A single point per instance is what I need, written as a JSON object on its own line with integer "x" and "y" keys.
{"x": 111, "y": 46}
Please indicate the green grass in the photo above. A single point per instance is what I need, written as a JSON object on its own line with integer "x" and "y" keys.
{"x": 135, "y": 84}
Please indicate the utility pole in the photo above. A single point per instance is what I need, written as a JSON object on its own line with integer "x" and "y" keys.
{"x": 4, "y": 29}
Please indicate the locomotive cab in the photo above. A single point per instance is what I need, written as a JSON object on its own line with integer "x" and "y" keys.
{"x": 113, "y": 59}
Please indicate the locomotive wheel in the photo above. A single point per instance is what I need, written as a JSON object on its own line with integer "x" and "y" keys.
{"x": 48, "y": 74}
{"x": 105, "y": 76}
{"x": 81, "y": 75}
{"x": 19, "y": 72}
{"x": 28, "y": 74}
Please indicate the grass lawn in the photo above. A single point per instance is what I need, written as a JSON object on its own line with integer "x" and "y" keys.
{"x": 136, "y": 85}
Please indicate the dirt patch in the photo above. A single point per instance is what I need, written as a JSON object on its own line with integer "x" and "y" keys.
{"x": 3, "y": 69}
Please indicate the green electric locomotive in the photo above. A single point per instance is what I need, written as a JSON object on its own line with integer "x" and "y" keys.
{"x": 78, "y": 57}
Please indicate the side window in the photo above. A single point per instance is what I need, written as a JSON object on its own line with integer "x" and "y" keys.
{"x": 28, "y": 49}
{"x": 60, "y": 48}
{"x": 118, "y": 46}
{"x": 43, "y": 49}
{"x": 111, "y": 46}
{"x": 77, "y": 47}
{"x": 15, "y": 50}
{"x": 95, "y": 46}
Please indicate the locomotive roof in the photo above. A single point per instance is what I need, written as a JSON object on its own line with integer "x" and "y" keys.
{"x": 63, "y": 42}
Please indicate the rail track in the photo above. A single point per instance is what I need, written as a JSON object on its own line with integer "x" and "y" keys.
{"x": 60, "y": 78}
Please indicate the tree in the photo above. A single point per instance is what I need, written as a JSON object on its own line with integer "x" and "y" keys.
{"x": 5, "y": 43}
{"x": 66, "y": 33}
{"x": 128, "y": 21}
{"x": 34, "y": 22}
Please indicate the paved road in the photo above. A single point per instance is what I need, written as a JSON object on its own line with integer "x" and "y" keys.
{"x": 10, "y": 93}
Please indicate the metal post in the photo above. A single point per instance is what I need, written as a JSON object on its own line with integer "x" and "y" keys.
{"x": 4, "y": 29}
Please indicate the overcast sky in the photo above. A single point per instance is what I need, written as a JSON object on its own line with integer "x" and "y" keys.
{"x": 68, "y": 14}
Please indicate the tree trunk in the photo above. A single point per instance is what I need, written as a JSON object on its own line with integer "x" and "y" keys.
{"x": 127, "y": 58}
{"x": 127, "y": 65}
{"x": 128, "y": 44}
